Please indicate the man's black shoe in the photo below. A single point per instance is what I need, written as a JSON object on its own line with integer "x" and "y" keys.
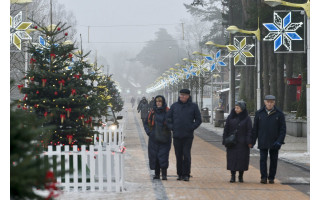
{"x": 263, "y": 181}
{"x": 179, "y": 178}
{"x": 186, "y": 178}
{"x": 271, "y": 181}
{"x": 156, "y": 177}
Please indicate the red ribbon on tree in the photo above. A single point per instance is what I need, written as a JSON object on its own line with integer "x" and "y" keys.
{"x": 45, "y": 114}
{"x": 44, "y": 82}
{"x": 70, "y": 138}
{"x": 73, "y": 92}
{"x": 62, "y": 82}
{"x": 77, "y": 76}
{"x": 20, "y": 87}
{"x": 32, "y": 60}
{"x": 52, "y": 56}
{"x": 32, "y": 79}
{"x": 25, "y": 97}
{"x": 89, "y": 121}
{"x": 68, "y": 112}
{"x": 24, "y": 108}
{"x": 63, "y": 117}
{"x": 70, "y": 56}
{"x": 37, "y": 91}
{"x": 82, "y": 119}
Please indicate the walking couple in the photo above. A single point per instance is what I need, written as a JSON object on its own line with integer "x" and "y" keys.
{"x": 182, "y": 119}
{"x": 270, "y": 130}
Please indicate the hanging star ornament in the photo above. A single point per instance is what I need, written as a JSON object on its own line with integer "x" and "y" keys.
{"x": 217, "y": 62}
{"x": 189, "y": 72}
{"x": 240, "y": 50}
{"x": 200, "y": 67}
{"x": 18, "y": 30}
{"x": 282, "y": 31}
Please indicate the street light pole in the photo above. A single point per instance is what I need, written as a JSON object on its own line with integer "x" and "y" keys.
{"x": 306, "y": 7}
{"x": 234, "y": 29}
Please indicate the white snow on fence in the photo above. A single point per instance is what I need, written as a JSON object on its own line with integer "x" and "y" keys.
{"x": 101, "y": 167}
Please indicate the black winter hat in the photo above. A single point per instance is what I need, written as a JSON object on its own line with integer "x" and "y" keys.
{"x": 241, "y": 104}
{"x": 185, "y": 91}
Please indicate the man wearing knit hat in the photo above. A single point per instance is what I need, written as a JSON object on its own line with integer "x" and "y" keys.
{"x": 270, "y": 129}
{"x": 183, "y": 118}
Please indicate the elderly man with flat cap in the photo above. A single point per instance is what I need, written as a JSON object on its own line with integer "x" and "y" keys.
{"x": 183, "y": 118}
{"x": 270, "y": 129}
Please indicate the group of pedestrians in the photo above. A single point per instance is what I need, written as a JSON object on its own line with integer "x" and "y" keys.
{"x": 179, "y": 122}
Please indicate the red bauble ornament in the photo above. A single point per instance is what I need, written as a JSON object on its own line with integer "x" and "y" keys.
{"x": 35, "y": 27}
{"x": 37, "y": 92}
{"x": 58, "y": 28}
{"x": 66, "y": 34}
{"x": 19, "y": 106}
{"x": 56, "y": 93}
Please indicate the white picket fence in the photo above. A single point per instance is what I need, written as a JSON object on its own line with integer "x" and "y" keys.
{"x": 101, "y": 167}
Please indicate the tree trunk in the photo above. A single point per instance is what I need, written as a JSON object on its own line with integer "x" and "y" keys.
{"x": 280, "y": 81}
{"x": 265, "y": 72}
{"x": 302, "y": 105}
{"x": 272, "y": 71}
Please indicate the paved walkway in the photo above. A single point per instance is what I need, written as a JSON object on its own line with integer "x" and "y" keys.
{"x": 209, "y": 175}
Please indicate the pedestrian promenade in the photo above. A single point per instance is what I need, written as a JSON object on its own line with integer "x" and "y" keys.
{"x": 210, "y": 179}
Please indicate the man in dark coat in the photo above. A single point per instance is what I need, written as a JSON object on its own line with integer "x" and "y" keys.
{"x": 270, "y": 129}
{"x": 183, "y": 118}
{"x": 159, "y": 144}
{"x": 143, "y": 107}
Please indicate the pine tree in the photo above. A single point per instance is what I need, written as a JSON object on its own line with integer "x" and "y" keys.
{"x": 26, "y": 170}
{"x": 57, "y": 89}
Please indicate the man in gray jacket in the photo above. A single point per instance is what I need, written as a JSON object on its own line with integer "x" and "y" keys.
{"x": 183, "y": 118}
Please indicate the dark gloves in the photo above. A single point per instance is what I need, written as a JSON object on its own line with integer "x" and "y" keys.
{"x": 277, "y": 145}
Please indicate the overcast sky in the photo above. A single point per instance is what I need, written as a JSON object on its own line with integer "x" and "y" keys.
{"x": 125, "y": 24}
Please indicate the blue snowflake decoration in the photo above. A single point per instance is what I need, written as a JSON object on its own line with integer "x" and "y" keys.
{"x": 189, "y": 72}
{"x": 217, "y": 62}
{"x": 282, "y": 31}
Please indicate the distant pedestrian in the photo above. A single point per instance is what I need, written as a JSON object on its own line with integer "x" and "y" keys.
{"x": 183, "y": 118}
{"x": 239, "y": 123}
{"x": 270, "y": 129}
{"x": 132, "y": 101}
{"x": 159, "y": 144}
{"x": 143, "y": 107}
{"x": 151, "y": 103}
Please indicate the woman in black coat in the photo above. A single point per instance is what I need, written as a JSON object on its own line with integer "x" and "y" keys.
{"x": 159, "y": 137}
{"x": 238, "y": 155}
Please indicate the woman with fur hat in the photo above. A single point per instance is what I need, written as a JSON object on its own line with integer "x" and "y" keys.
{"x": 238, "y": 123}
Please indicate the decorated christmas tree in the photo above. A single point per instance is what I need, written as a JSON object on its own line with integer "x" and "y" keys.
{"x": 27, "y": 172}
{"x": 57, "y": 87}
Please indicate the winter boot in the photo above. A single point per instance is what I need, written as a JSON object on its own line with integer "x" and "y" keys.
{"x": 233, "y": 177}
{"x": 241, "y": 176}
{"x": 156, "y": 173}
{"x": 164, "y": 173}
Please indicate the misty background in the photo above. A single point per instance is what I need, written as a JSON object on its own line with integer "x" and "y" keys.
{"x": 121, "y": 34}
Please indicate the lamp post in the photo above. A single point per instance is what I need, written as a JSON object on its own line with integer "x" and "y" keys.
{"x": 234, "y": 29}
{"x": 306, "y": 7}
{"x": 231, "y": 94}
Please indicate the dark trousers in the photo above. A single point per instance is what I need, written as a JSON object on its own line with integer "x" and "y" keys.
{"x": 273, "y": 163}
{"x": 182, "y": 148}
{"x": 157, "y": 169}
